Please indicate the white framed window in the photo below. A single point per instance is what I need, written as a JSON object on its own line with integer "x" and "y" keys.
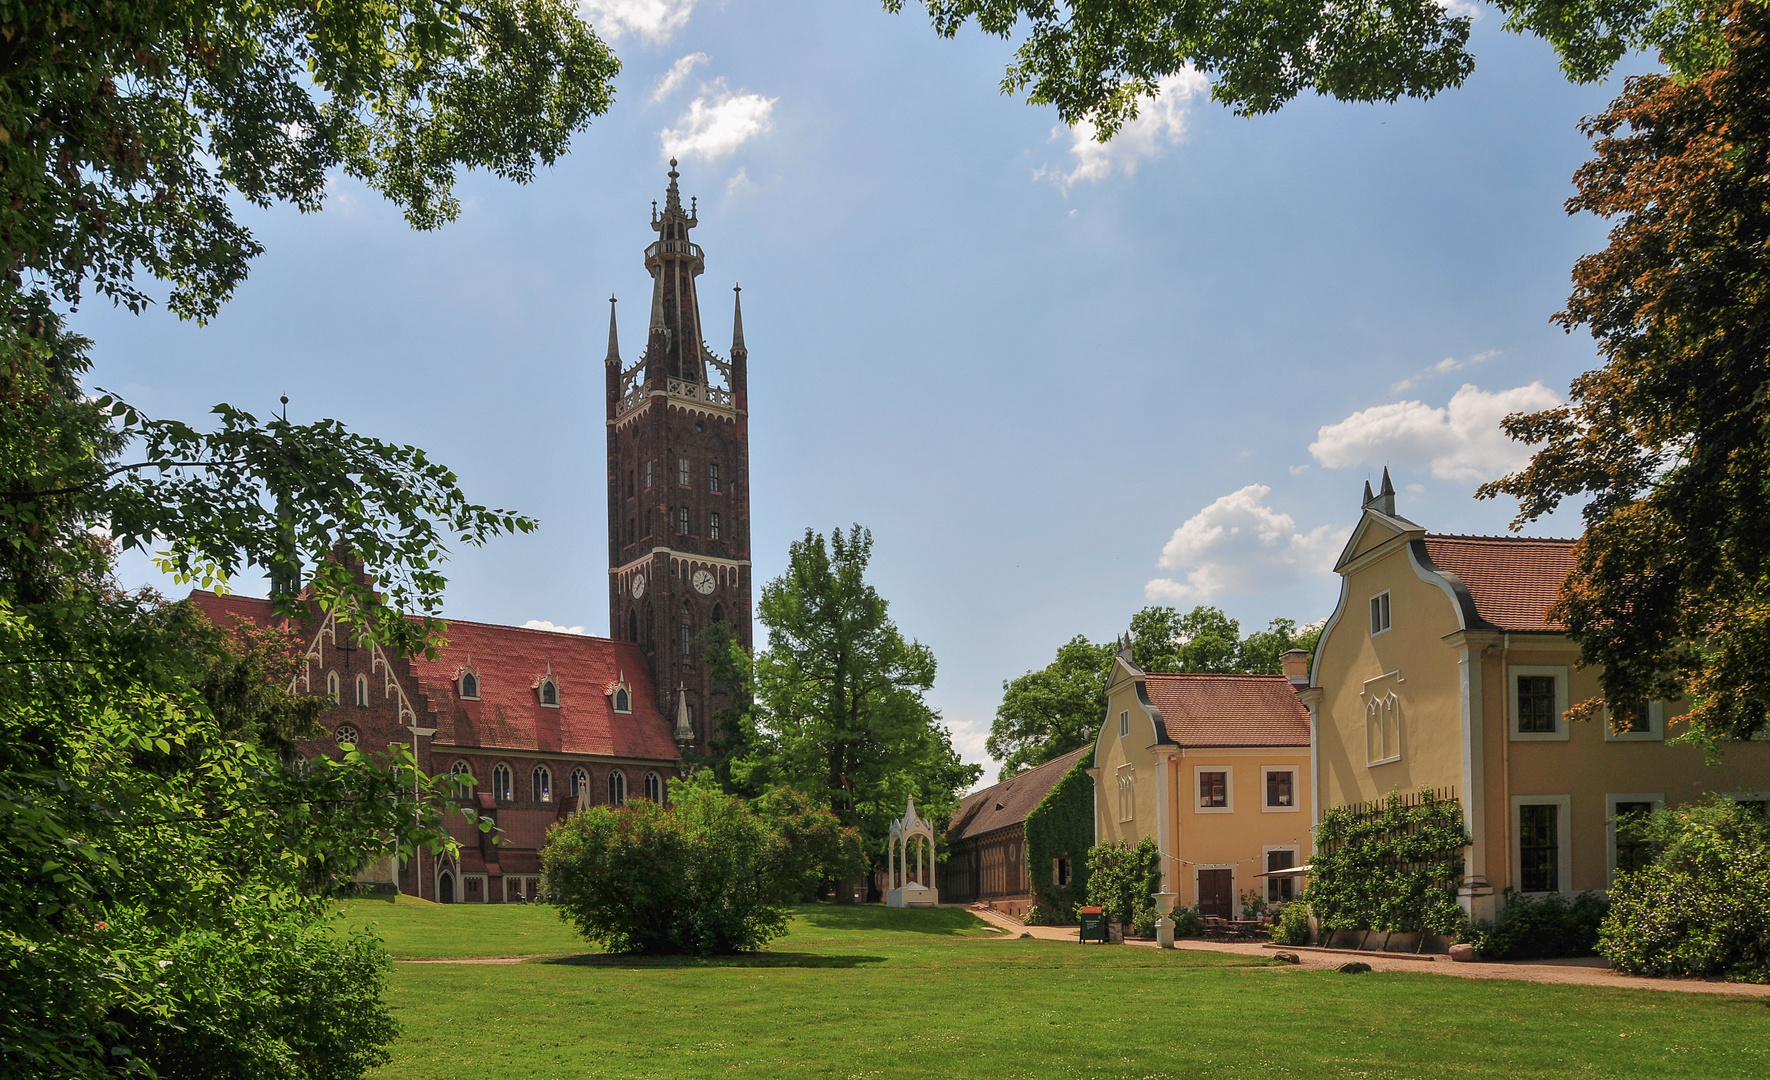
{"x": 654, "y": 787}
{"x": 682, "y": 471}
{"x": 501, "y": 782}
{"x": 1279, "y": 792}
{"x": 1647, "y": 723}
{"x": 362, "y": 691}
{"x": 346, "y": 734}
{"x": 463, "y": 779}
{"x": 469, "y": 685}
{"x": 1536, "y": 703}
{"x": 543, "y": 784}
{"x": 1124, "y": 724}
{"x": 332, "y": 684}
{"x": 617, "y": 788}
{"x": 1625, "y": 849}
{"x": 623, "y": 699}
{"x": 549, "y": 692}
{"x": 1213, "y": 788}
{"x": 1280, "y": 890}
{"x": 580, "y": 783}
{"x": 1380, "y": 613}
{"x": 1382, "y": 729}
{"x": 1542, "y": 843}
{"x": 1127, "y": 776}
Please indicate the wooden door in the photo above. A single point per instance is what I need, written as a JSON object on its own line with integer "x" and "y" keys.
{"x": 445, "y": 888}
{"x": 1216, "y": 893}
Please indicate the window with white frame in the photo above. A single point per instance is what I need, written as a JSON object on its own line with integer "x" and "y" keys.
{"x": 623, "y": 700}
{"x": 1127, "y": 776}
{"x": 1379, "y": 613}
{"x": 501, "y": 782}
{"x": 463, "y": 779}
{"x": 469, "y": 685}
{"x": 580, "y": 783}
{"x": 654, "y": 787}
{"x": 617, "y": 788}
{"x": 1626, "y": 826}
{"x": 1643, "y": 721}
{"x": 549, "y": 693}
{"x": 332, "y": 684}
{"x": 1124, "y": 723}
{"x": 543, "y": 784}
{"x": 362, "y": 691}
{"x": 1542, "y": 843}
{"x": 1279, "y": 789}
{"x": 1214, "y": 786}
{"x": 1283, "y": 889}
{"x": 1536, "y": 703}
{"x": 1382, "y": 728}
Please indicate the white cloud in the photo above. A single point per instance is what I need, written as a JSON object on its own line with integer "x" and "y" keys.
{"x": 677, "y": 75}
{"x": 1160, "y": 122}
{"x": 543, "y": 624}
{"x": 718, "y": 122}
{"x": 739, "y": 181}
{"x": 1461, "y": 441}
{"x": 654, "y": 20}
{"x": 1443, "y": 367}
{"x": 1239, "y": 545}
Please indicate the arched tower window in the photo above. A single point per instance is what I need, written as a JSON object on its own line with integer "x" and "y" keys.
{"x": 501, "y": 782}
{"x": 632, "y": 626}
{"x": 543, "y": 784}
{"x": 718, "y": 613}
{"x": 362, "y": 691}
{"x": 617, "y": 788}
{"x": 654, "y": 787}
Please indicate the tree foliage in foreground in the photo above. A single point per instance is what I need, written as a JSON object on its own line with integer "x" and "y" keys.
{"x": 1096, "y": 60}
{"x": 836, "y": 706}
{"x": 1049, "y": 712}
{"x": 1670, "y": 438}
{"x": 707, "y": 874}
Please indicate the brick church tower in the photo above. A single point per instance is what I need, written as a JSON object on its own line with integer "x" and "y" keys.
{"x": 678, "y": 481}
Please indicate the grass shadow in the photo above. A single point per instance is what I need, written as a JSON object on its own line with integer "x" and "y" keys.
{"x": 946, "y": 922}
{"x": 770, "y": 959}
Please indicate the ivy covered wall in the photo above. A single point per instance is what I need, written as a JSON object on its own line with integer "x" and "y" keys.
{"x": 1062, "y": 825}
{"x": 1393, "y": 865}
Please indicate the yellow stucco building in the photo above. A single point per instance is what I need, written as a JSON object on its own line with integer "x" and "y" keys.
{"x": 1439, "y": 669}
{"x": 1216, "y": 769}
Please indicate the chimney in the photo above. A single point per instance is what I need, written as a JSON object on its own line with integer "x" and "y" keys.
{"x": 1295, "y": 665}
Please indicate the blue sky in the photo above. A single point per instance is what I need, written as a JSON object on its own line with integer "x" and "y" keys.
{"x": 1058, "y": 381}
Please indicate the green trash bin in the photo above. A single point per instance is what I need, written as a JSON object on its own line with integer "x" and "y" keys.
{"x": 1093, "y": 924}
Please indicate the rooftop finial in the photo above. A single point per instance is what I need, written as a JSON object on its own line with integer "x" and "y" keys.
{"x": 614, "y": 341}
{"x": 737, "y": 321}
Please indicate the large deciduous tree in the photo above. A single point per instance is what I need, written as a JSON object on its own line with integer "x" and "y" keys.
{"x": 1095, "y": 60}
{"x": 839, "y": 708}
{"x": 1671, "y": 436}
{"x": 1049, "y": 712}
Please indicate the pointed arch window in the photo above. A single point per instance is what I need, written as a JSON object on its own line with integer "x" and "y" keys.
{"x": 617, "y": 788}
{"x": 549, "y": 692}
{"x": 469, "y": 685}
{"x": 501, "y": 782}
{"x": 332, "y": 684}
{"x": 463, "y": 780}
{"x": 362, "y": 691}
{"x": 623, "y": 700}
{"x": 718, "y": 613}
{"x": 654, "y": 787}
{"x": 543, "y": 784}
{"x": 580, "y": 783}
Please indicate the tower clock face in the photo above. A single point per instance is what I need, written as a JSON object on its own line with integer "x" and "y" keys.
{"x": 703, "y": 581}
{"x": 638, "y": 586}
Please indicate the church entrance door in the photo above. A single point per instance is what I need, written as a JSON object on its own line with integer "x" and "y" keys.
{"x": 445, "y": 888}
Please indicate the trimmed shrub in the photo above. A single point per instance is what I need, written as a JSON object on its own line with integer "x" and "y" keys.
{"x": 1395, "y": 869}
{"x": 1123, "y": 878}
{"x": 1702, "y": 907}
{"x": 1143, "y": 925}
{"x": 1531, "y": 928}
{"x": 1292, "y": 927}
{"x": 706, "y": 874}
{"x": 1187, "y": 922}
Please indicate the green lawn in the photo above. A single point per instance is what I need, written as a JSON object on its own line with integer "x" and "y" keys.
{"x": 865, "y": 992}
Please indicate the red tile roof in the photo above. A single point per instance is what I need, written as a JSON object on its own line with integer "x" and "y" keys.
{"x": 1008, "y": 802}
{"x": 510, "y": 662}
{"x": 1512, "y": 579}
{"x": 1229, "y": 710}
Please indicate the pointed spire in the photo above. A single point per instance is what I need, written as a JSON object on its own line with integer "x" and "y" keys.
{"x": 614, "y": 340}
{"x": 1383, "y": 502}
{"x": 1368, "y": 494}
{"x": 1388, "y": 485}
{"x": 684, "y": 727}
{"x": 737, "y": 321}
{"x": 673, "y": 194}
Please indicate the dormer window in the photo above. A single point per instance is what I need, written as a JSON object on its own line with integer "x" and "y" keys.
{"x": 621, "y": 697}
{"x": 549, "y": 692}
{"x": 469, "y": 684}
